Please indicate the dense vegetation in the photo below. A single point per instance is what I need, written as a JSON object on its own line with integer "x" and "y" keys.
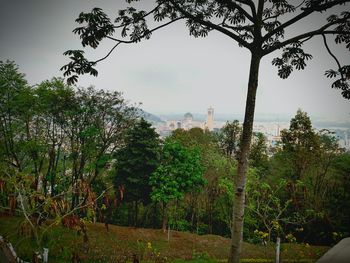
{"x": 74, "y": 156}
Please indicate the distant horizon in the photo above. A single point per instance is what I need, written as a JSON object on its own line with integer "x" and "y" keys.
{"x": 282, "y": 117}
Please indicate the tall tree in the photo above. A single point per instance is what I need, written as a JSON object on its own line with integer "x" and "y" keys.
{"x": 259, "y": 26}
{"x": 216, "y": 167}
{"x": 338, "y": 193}
{"x": 230, "y": 137}
{"x": 15, "y": 95}
{"x": 180, "y": 171}
{"x": 95, "y": 126}
{"x": 135, "y": 162}
{"x": 299, "y": 142}
{"x": 258, "y": 153}
{"x": 307, "y": 161}
{"x": 52, "y": 99}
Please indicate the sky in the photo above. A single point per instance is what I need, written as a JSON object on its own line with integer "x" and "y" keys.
{"x": 172, "y": 72}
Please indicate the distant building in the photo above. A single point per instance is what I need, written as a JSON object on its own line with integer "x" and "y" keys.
{"x": 178, "y": 125}
{"x": 187, "y": 121}
{"x": 343, "y": 141}
{"x": 210, "y": 119}
{"x": 188, "y": 117}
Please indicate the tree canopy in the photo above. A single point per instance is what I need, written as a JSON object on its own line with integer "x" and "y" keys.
{"x": 180, "y": 171}
{"x": 137, "y": 160}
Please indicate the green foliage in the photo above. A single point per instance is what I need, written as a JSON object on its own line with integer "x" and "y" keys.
{"x": 137, "y": 160}
{"x": 258, "y": 153}
{"x": 211, "y": 207}
{"x": 306, "y": 161}
{"x": 230, "y": 136}
{"x": 338, "y": 192}
{"x": 16, "y": 100}
{"x": 179, "y": 172}
{"x": 201, "y": 256}
{"x": 54, "y": 143}
{"x": 299, "y": 143}
{"x": 266, "y": 204}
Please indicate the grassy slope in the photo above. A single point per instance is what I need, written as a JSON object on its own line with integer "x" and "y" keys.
{"x": 122, "y": 243}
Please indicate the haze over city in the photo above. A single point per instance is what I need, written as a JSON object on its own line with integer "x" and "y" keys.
{"x": 172, "y": 72}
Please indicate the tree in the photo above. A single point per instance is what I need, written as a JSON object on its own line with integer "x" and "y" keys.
{"x": 179, "y": 172}
{"x": 15, "y": 95}
{"x": 338, "y": 193}
{"x": 260, "y": 26}
{"x": 258, "y": 152}
{"x": 297, "y": 161}
{"x": 307, "y": 160}
{"x": 94, "y": 126}
{"x": 135, "y": 162}
{"x": 216, "y": 168}
{"x": 52, "y": 99}
{"x": 265, "y": 203}
{"x": 230, "y": 136}
{"x": 59, "y": 139}
{"x": 300, "y": 141}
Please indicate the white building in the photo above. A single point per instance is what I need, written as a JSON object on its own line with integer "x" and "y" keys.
{"x": 210, "y": 119}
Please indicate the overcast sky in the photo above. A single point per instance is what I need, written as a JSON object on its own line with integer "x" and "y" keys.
{"x": 172, "y": 72}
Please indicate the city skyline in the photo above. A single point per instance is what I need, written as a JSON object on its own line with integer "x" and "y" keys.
{"x": 260, "y": 117}
{"x": 271, "y": 129}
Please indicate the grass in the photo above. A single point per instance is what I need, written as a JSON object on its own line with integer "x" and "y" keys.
{"x": 121, "y": 244}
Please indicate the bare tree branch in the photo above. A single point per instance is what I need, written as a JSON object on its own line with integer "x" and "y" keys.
{"x": 333, "y": 56}
{"x": 110, "y": 52}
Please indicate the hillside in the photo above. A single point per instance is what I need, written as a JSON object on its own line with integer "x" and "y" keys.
{"x": 123, "y": 243}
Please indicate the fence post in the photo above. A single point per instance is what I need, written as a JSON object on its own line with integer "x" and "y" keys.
{"x": 46, "y": 255}
{"x": 278, "y": 247}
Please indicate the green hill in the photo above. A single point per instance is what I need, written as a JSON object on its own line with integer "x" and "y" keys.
{"x": 122, "y": 244}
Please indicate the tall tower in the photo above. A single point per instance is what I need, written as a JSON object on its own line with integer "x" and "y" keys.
{"x": 210, "y": 119}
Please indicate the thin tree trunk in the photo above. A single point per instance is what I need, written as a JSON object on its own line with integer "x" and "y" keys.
{"x": 210, "y": 215}
{"x": 130, "y": 213}
{"x": 136, "y": 214}
{"x": 154, "y": 216}
{"x": 239, "y": 198}
{"x": 193, "y": 212}
{"x": 53, "y": 176}
{"x": 165, "y": 218}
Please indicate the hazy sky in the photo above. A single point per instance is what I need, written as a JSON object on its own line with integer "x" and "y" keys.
{"x": 172, "y": 72}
